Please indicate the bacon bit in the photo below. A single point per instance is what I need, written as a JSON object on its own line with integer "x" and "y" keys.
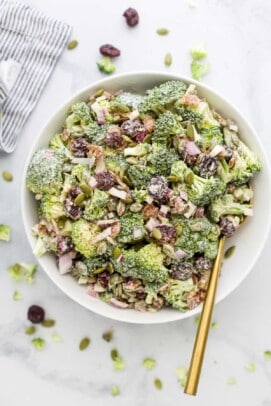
{"x": 115, "y": 229}
{"x": 65, "y": 135}
{"x": 193, "y": 299}
{"x": 95, "y": 150}
{"x": 150, "y": 211}
{"x": 149, "y": 123}
{"x": 190, "y": 100}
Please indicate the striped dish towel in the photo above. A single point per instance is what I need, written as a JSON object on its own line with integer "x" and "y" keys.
{"x": 33, "y": 41}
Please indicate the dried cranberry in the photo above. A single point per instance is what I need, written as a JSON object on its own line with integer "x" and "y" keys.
{"x": 141, "y": 295}
{"x": 114, "y": 140}
{"x": 132, "y": 17}
{"x": 74, "y": 212}
{"x": 63, "y": 245}
{"x": 79, "y": 147}
{"x": 75, "y": 191}
{"x": 190, "y": 160}
{"x": 208, "y": 166}
{"x": 168, "y": 233}
{"x": 109, "y": 50}
{"x": 103, "y": 278}
{"x": 182, "y": 271}
{"x": 227, "y": 226}
{"x": 158, "y": 189}
{"x": 140, "y": 136}
{"x": 35, "y": 314}
{"x": 104, "y": 180}
{"x": 132, "y": 128}
{"x": 203, "y": 263}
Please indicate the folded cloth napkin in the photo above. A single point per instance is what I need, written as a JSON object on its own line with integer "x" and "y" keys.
{"x": 30, "y": 44}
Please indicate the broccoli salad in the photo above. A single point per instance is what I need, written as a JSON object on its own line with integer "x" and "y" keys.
{"x": 135, "y": 192}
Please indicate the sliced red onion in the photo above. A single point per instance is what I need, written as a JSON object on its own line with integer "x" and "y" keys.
{"x": 137, "y": 233}
{"x": 233, "y": 127}
{"x": 91, "y": 292}
{"x": 151, "y": 224}
{"x": 65, "y": 262}
{"x": 92, "y": 182}
{"x": 119, "y": 259}
{"x": 170, "y": 193}
{"x": 183, "y": 195}
{"x": 199, "y": 212}
{"x": 100, "y": 165}
{"x": 117, "y": 303}
{"x": 180, "y": 254}
{"x": 192, "y": 149}
{"x": 100, "y": 113}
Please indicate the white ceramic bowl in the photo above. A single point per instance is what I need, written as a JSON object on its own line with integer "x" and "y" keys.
{"x": 249, "y": 239}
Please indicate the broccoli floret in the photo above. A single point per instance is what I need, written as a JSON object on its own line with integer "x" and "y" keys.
{"x": 132, "y": 228}
{"x": 44, "y": 173}
{"x": 56, "y": 142}
{"x": 175, "y": 295}
{"x": 198, "y": 69}
{"x": 207, "y": 139}
{"x": 105, "y": 65}
{"x": 45, "y": 243}
{"x": 116, "y": 106}
{"x": 166, "y": 125}
{"x": 162, "y": 97}
{"x": 140, "y": 175}
{"x": 196, "y": 235}
{"x": 180, "y": 172}
{"x": 51, "y": 208}
{"x": 81, "y": 172}
{"x": 246, "y": 165}
{"x": 4, "y": 232}
{"x": 146, "y": 264}
{"x": 198, "y": 52}
{"x": 95, "y": 133}
{"x": 138, "y": 150}
{"x": 101, "y": 110}
{"x": 83, "y": 233}
{"x": 202, "y": 191}
{"x": 208, "y": 120}
{"x": 224, "y": 205}
{"x": 223, "y": 171}
{"x": 95, "y": 209}
{"x": 79, "y": 116}
{"x": 243, "y": 194}
{"x": 129, "y": 99}
{"x": 117, "y": 164}
{"x": 140, "y": 195}
{"x": 162, "y": 159}
{"x": 188, "y": 114}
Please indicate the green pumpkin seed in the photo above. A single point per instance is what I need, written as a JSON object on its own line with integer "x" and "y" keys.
{"x": 30, "y": 330}
{"x": 73, "y": 44}
{"x": 162, "y": 31}
{"x": 189, "y": 179}
{"x": 48, "y": 323}
{"x": 190, "y": 132}
{"x": 99, "y": 93}
{"x": 79, "y": 199}
{"x": 229, "y": 252}
{"x": 156, "y": 233}
{"x": 158, "y": 383}
{"x": 114, "y": 354}
{"x": 168, "y": 59}
{"x": 108, "y": 335}
{"x": 84, "y": 343}
{"x": 7, "y": 176}
{"x": 86, "y": 189}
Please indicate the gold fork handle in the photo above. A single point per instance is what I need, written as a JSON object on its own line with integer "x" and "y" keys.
{"x": 204, "y": 326}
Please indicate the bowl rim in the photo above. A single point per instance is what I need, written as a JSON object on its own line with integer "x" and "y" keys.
{"x": 175, "y": 315}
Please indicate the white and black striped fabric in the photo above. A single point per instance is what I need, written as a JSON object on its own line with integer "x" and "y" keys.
{"x": 35, "y": 41}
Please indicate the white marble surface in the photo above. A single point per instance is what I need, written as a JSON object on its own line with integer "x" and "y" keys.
{"x": 237, "y": 35}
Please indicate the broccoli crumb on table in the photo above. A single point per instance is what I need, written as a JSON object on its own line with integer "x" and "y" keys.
{"x": 135, "y": 192}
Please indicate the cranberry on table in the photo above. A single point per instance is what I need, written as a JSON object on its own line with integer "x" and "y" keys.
{"x": 35, "y": 314}
{"x": 109, "y": 50}
{"x": 132, "y": 17}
